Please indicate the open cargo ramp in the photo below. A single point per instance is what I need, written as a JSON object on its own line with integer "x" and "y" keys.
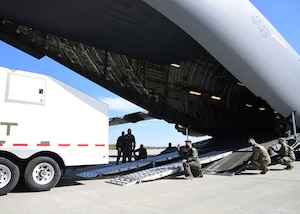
{"x": 234, "y": 163}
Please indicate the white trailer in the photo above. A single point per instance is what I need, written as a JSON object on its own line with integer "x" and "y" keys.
{"x": 45, "y": 127}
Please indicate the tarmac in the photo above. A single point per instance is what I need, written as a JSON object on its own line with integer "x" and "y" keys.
{"x": 278, "y": 191}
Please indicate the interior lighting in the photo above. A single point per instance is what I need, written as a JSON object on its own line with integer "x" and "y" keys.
{"x": 215, "y": 98}
{"x": 249, "y": 105}
{"x": 175, "y": 65}
{"x": 195, "y": 93}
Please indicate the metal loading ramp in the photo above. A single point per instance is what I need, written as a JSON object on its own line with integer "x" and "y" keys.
{"x": 113, "y": 169}
{"x": 229, "y": 165}
{"x": 164, "y": 170}
{"x": 233, "y": 163}
{"x": 147, "y": 175}
{"x": 152, "y": 161}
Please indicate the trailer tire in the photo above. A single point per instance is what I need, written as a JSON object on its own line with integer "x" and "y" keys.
{"x": 42, "y": 173}
{"x": 9, "y": 176}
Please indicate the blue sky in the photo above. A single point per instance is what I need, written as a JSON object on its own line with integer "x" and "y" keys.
{"x": 283, "y": 14}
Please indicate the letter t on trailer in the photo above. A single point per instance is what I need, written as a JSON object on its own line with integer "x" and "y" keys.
{"x": 46, "y": 126}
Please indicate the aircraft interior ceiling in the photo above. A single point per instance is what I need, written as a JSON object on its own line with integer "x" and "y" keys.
{"x": 132, "y": 50}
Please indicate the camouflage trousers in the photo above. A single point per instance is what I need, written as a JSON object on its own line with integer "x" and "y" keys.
{"x": 192, "y": 168}
{"x": 284, "y": 161}
{"x": 258, "y": 165}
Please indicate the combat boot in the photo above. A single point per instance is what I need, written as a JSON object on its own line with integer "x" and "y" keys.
{"x": 289, "y": 166}
{"x": 265, "y": 170}
{"x": 200, "y": 173}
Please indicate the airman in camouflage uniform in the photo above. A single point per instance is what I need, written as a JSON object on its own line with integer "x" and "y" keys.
{"x": 260, "y": 158}
{"x": 191, "y": 162}
{"x": 286, "y": 154}
{"x": 129, "y": 146}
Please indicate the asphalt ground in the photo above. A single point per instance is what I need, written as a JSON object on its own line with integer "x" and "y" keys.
{"x": 278, "y": 191}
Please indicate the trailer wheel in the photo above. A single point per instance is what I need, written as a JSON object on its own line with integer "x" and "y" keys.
{"x": 9, "y": 176}
{"x": 42, "y": 173}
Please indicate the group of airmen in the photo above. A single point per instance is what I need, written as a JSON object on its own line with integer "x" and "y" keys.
{"x": 259, "y": 160}
{"x": 125, "y": 146}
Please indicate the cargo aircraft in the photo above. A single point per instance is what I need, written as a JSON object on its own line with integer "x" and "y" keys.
{"x": 215, "y": 68}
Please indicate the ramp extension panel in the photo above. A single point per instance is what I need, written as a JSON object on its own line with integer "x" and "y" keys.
{"x": 128, "y": 166}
